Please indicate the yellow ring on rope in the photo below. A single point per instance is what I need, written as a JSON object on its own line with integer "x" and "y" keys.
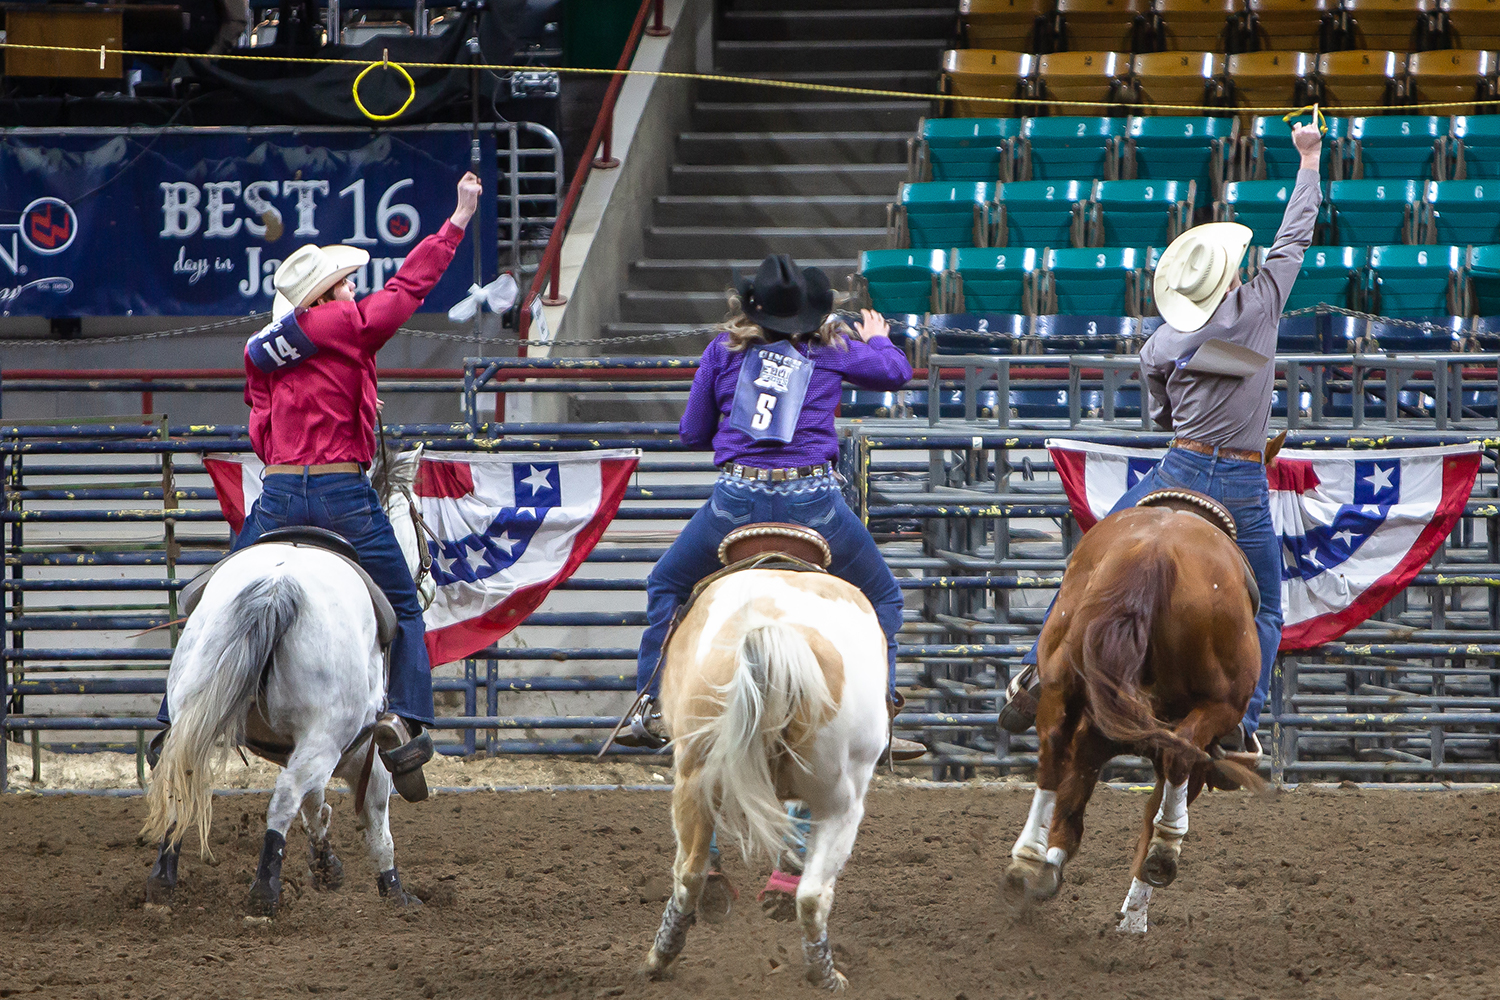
{"x": 1317, "y": 115}
{"x": 394, "y": 114}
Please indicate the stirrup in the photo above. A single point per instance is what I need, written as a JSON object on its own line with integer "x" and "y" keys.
{"x": 404, "y": 760}
{"x": 153, "y": 749}
{"x": 1018, "y": 714}
{"x": 638, "y": 733}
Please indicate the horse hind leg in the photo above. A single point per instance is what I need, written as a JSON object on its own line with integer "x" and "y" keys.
{"x": 308, "y": 770}
{"x": 375, "y": 820}
{"x": 161, "y": 884}
{"x": 1170, "y": 825}
{"x": 327, "y": 870}
{"x": 829, "y": 844}
{"x": 694, "y": 830}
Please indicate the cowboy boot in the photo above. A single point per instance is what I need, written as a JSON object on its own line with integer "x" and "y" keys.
{"x": 153, "y": 749}
{"x": 403, "y": 754}
{"x": 644, "y": 727}
{"x": 1242, "y": 747}
{"x": 899, "y": 749}
{"x": 1018, "y": 714}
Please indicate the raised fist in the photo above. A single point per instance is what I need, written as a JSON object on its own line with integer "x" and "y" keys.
{"x": 1307, "y": 139}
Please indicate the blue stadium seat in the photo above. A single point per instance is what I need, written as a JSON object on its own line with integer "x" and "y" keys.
{"x": 1484, "y": 280}
{"x": 966, "y": 149}
{"x": 1099, "y": 281}
{"x": 995, "y": 280}
{"x": 1366, "y": 213}
{"x": 1127, "y": 403}
{"x": 1083, "y": 334}
{"x": 1257, "y": 204}
{"x": 1303, "y": 335}
{"x": 1415, "y": 282}
{"x": 939, "y": 214}
{"x": 1039, "y": 404}
{"x": 1139, "y": 213}
{"x": 1394, "y": 147}
{"x": 1476, "y": 146}
{"x": 1448, "y": 333}
{"x": 1271, "y": 155}
{"x": 905, "y": 327}
{"x": 867, "y": 403}
{"x": 1041, "y": 213}
{"x": 904, "y": 281}
{"x": 949, "y": 336}
{"x": 1179, "y": 146}
{"x": 1066, "y": 148}
{"x": 1466, "y": 211}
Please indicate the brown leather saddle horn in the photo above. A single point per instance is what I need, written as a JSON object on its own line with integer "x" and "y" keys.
{"x": 774, "y": 537}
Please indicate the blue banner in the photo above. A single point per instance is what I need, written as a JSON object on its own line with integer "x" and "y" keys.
{"x": 193, "y": 222}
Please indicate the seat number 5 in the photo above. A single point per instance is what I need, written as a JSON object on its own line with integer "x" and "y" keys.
{"x": 763, "y": 407}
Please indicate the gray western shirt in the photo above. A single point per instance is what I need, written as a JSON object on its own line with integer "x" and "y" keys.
{"x": 1224, "y": 410}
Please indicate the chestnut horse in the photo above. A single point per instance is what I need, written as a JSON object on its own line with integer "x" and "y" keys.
{"x": 1151, "y": 647}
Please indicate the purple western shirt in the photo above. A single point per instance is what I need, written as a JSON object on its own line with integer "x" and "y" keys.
{"x": 877, "y": 364}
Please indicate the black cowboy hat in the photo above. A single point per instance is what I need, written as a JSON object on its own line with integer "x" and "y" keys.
{"x": 783, "y": 298}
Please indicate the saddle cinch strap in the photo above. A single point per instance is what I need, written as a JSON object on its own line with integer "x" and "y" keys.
{"x": 1214, "y": 512}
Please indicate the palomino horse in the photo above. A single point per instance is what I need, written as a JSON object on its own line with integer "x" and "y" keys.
{"x": 282, "y": 652}
{"x": 774, "y": 687}
{"x": 1155, "y": 620}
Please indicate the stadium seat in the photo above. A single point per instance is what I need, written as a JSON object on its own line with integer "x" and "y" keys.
{"x": 988, "y": 73}
{"x": 1257, "y": 204}
{"x": 1018, "y": 25}
{"x": 1415, "y": 282}
{"x": 1465, "y": 211}
{"x": 1304, "y": 335}
{"x": 865, "y": 403}
{"x": 1185, "y": 78}
{"x": 1292, "y": 25}
{"x": 1194, "y": 25}
{"x": 904, "y": 281}
{"x": 1041, "y": 213}
{"x": 995, "y": 280}
{"x": 1098, "y": 281}
{"x": 1006, "y": 331}
{"x": 1461, "y": 76}
{"x": 1331, "y": 276}
{"x": 1085, "y": 334}
{"x": 1180, "y": 146}
{"x": 1402, "y": 25}
{"x": 1446, "y": 334}
{"x": 1267, "y": 151}
{"x": 1092, "y": 78}
{"x": 1394, "y": 147}
{"x": 1068, "y": 148}
{"x": 1365, "y": 213}
{"x": 1139, "y": 213}
{"x": 1476, "y": 146}
{"x": 1360, "y": 78}
{"x": 1270, "y": 79}
{"x": 1102, "y": 25}
{"x": 1484, "y": 280}
{"x": 937, "y": 214}
{"x": 965, "y": 149}
{"x": 1471, "y": 24}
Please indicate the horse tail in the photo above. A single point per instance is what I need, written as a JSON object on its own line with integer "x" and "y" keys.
{"x": 778, "y": 684}
{"x": 216, "y": 691}
{"x": 1121, "y": 615}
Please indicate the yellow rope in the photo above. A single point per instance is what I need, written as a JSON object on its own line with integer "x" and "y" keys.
{"x": 760, "y": 82}
{"x": 1317, "y": 117}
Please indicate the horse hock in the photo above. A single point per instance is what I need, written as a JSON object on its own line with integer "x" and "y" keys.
{"x": 162, "y": 881}
{"x": 1169, "y": 827}
{"x": 670, "y": 937}
{"x": 265, "y": 892}
{"x": 1035, "y": 870}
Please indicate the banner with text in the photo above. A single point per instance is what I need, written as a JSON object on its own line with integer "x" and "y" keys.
{"x": 193, "y": 222}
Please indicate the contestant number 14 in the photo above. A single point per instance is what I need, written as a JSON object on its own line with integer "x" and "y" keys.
{"x": 397, "y": 224}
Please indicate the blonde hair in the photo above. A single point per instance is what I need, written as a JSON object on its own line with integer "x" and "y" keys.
{"x": 742, "y": 332}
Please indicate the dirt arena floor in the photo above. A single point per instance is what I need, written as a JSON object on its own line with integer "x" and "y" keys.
{"x": 1339, "y": 893}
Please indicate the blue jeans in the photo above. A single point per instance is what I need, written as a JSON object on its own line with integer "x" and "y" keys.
{"x": 813, "y": 503}
{"x": 1240, "y": 486}
{"x": 346, "y": 503}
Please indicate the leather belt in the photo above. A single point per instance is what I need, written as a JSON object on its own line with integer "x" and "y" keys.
{"x": 1239, "y": 454}
{"x": 776, "y": 475}
{"x": 312, "y": 470}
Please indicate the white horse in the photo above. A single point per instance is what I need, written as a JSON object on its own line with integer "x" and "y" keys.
{"x": 774, "y": 686}
{"x": 282, "y": 649}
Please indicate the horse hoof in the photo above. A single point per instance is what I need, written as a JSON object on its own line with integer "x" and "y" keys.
{"x": 1132, "y": 922}
{"x": 656, "y": 969}
{"x": 716, "y": 901}
{"x": 328, "y": 873}
{"x": 264, "y": 896}
{"x": 1046, "y": 884}
{"x": 836, "y": 983}
{"x": 1160, "y": 869}
{"x": 159, "y": 892}
{"x": 1031, "y": 881}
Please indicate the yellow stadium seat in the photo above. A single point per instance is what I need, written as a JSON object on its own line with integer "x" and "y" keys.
{"x": 1458, "y": 75}
{"x": 1185, "y": 78}
{"x": 1195, "y": 25}
{"x": 1293, "y": 25}
{"x": 1360, "y": 78}
{"x": 1401, "y": 25}
{"x": 1102, "y": 25}
{"x": 1270, "y": 79}
{"x": 987, "y": 73}
{"x": 1471, "y": 24}
{"x": 1081, "y": 76}
{"x": 1012, "y": 25}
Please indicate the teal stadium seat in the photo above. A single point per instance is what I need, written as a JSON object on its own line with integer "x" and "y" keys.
{"x": 1395, "y": 147}
{"x": 1041, "y": 213}
{"x": 1415, "y": 282}
{"x": 936, "y": 214}
{"x": 1269, "y": 153}
{"x": 904, "y": 281}
{"x": 1476, "y": 146}
{"x": 1330, "y": 276}
{"x": 995, "y": 280}
{"x": 1065, "y": 148}
{"x": 1466, "y": 211}
{"x": 965, "y": 149}
{"x": 1484, "y": 280}
{"x": 1170, "y": 147}
{"x": 1096, "y": 281}
{"x": 1139, "y": 213}
{"x": 1366, "y": 213}
{"x": 1257, "y": 204}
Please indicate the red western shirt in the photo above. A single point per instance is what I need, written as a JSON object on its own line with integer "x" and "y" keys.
{"x": 322, "y": 410}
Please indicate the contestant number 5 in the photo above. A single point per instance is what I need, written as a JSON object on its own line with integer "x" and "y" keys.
{"x": 763, "y": 407}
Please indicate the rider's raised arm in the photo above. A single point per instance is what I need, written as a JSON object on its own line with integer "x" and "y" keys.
{"x": 700, "y": 421}
{"x": 872, "y": 361}
{"x": 1269, "y": 289}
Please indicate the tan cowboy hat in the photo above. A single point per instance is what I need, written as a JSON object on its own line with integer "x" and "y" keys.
{"x": 310, "y": 271}
{"x": 1194, "y": 272}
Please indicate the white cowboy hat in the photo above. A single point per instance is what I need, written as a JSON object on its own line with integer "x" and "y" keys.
{"x": 1194, "y": 272}
{"x": 309, "y": 271}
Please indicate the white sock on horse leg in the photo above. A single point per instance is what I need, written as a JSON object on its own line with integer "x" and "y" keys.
{"x": 1172, "y": 819}
{"x": 1133, "y": 910}
{"x": 1032, "y": 844}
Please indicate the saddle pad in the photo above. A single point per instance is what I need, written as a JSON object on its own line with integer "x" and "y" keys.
{"x": 794, "y": 540}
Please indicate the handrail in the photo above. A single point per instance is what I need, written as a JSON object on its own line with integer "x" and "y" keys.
{"x": 600, "y": 141}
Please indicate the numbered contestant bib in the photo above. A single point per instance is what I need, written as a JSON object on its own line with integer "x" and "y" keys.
{"x": 772, "y": 386}
{"x": 281, "y": 346}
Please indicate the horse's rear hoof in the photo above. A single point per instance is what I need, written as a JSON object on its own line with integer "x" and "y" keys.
{"x": 327, "y": 870}
{"x": 836, "y": 983}
{"x": 265, "y": 894}
{"x": 159, "y": 892}
{"x": 1160, "y": 869}
{"x": 716, "y": 901}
